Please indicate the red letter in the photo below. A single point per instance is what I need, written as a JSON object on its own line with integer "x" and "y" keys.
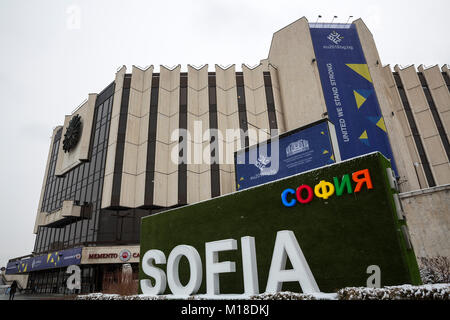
{"x": 359, "y": 181}
{"x": 299, "y": 194}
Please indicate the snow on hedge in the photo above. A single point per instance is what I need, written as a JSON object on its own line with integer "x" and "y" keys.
{"x": 404, "y": 292}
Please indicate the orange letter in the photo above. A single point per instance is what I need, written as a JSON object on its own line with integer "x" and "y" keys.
{"x": 359, "y": 181}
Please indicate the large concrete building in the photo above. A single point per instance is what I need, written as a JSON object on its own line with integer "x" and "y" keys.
{"x": 110, "y": 163}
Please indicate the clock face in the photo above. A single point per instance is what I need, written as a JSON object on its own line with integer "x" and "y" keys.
{"x": 73, "y": 133}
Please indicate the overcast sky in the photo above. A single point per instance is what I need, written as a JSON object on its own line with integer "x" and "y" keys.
{"x": 53, "y": 53}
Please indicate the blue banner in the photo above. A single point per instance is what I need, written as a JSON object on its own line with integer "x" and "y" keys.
{"x": 349, "y": 93}
{"x": 52, "y": 260}
{"x": 300, "y": 150}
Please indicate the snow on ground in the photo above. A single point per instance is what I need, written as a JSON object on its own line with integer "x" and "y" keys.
{"x": 403, "y": 292}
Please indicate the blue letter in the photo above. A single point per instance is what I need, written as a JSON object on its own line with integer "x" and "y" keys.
{"x": 284, "y": 195}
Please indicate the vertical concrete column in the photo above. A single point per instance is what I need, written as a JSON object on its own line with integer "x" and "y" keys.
{"x": 198, "y": 170}
{"x": 446, "y": 70}
{"x": 441, "y": 95}
{"x": 41, "y": 215}
{"x": 112, "y": 140}
{"x": 141, "y": 166}
{"x": 425, "y": 124}
{"x": 277, "y": 99}
{"x": 256, "y": 104}
{"x": 292, "y": 53}
{"x": 383, "y": 83}
{"x": 402, "y": 141}
{"x": 166, "y": 169}
{"x": 136, "y": 136}
{"x": 227, "y": 118}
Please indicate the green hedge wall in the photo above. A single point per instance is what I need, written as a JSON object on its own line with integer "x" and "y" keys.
{"x": 340, "y": 237}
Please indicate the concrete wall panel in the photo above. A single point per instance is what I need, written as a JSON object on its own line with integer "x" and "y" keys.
{"x": 292, "y": 53}
{"x": 136, "y": 136}
{"x": 166, "y": 171}
{"x": 427, "y": 213}
{"x": 228, "y": 118}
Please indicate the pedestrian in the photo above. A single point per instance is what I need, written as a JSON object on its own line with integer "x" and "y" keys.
{"x": 12, "y": 290}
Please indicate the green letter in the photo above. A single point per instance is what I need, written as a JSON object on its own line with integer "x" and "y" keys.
{"x": 344, "y": 182}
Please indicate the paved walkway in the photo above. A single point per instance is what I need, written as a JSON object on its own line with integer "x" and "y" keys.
{"x": 20, "y": 296}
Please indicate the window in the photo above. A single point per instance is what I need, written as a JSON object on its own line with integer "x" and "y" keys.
{"x": 414, "y": 131}
{"x": 75, "y": 185}
{"x": 215, "y": 174}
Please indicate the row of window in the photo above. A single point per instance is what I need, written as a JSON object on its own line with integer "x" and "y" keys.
{"x": 213, "y": 124}
{"x": 242, "y": 113}
{"x": 54, "y": 281}
{"x": 107, "y": 227}
{"x": 80, "y": 179}
{"x": 83, "y": 184}
{"x": 270, "y": 102}
{"x": 182, "y": 124}
{"x": 94, "y": 278}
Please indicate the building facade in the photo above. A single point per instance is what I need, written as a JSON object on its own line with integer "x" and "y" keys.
{"x": 112, "y": 161}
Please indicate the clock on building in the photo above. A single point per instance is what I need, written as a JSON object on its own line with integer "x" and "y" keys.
{"x": 73, "y": 133}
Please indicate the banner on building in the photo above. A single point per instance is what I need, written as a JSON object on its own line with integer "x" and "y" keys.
{"x": 293, "y": 152}
{"x": 51, "y": 260}
{"x": 349, "y": 93}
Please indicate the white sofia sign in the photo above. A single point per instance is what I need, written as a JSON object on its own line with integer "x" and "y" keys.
{"x": 286, "y": 246}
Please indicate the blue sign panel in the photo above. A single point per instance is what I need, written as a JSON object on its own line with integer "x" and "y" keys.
{"x": 350, "y": 97}
{"x": 293, "y": 152}
{"x": 52, "y": 260}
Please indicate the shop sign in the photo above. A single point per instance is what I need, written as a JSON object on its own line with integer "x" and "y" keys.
{"x": 94, "y": 255}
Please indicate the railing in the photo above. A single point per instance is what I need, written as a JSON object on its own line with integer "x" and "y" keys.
{"x": 79, "y": 106}
{"x": 334, "y": 25}
{"x": 20, "y": 258}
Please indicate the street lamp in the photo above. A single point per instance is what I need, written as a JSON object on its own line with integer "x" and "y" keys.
{"x": 333, "y": 19}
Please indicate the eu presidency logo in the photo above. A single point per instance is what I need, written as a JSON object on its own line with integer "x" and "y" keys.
{"x": 335, "y": 37}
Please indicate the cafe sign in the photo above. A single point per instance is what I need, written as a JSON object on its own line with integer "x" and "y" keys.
{"x": 104, "y": 255}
